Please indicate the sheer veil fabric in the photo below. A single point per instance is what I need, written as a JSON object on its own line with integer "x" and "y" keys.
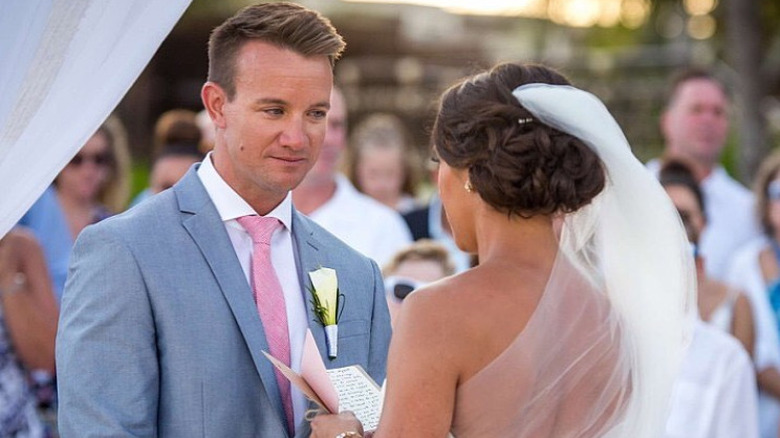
{"x": 566, "y": 374}
{"x": 600, "y": 354}
{"x": 66, "y": 64}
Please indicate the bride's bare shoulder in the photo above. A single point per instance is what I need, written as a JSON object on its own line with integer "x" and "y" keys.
{"x": 443, "y": 308}
{"x": 431, "y": 330}
{"x": 448, "y": 292}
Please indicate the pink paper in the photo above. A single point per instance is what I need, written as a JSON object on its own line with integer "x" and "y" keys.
{"x": 314, "y": 372}
{"x": 296, "y": 380}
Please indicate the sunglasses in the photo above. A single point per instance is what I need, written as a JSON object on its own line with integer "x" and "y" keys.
{"x": 773, "y": 190}
{"x": 96, "y": 159}
{"x": 401, "y": 287}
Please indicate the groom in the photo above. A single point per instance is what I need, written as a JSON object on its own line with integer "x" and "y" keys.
{"x": 169, "y": 306}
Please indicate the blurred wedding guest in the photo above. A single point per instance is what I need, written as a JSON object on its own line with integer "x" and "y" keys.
{"x": 172, "y": 163}
{"x": 381, "y": 163}
{"x": 695, "y": 126}
{"x": 714, "y": 395}
{"x": 207, "y": 132}
{"x": 756, "y": 270}
{"x": 175, "y": 126}
{"x": 91, "y": 187}
{"x": 168, "y": 168}
{"x": 327, "y": 196}
{"x": 430, "y": 222}
{"x": 177, "y": 139}
{"x": 721, "y": 305}
{"x": 413, "y": 267}
{"x": 28, "y": 323}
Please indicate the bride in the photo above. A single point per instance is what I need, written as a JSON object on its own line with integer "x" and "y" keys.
{"x": 573, "y": 323}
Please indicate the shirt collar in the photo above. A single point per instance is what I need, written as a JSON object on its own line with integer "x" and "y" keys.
{"x": 230, "y": 205}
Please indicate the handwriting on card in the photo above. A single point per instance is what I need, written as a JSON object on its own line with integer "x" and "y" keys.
{"x": 357, "y": 393}
{"x": 340, "y": 389}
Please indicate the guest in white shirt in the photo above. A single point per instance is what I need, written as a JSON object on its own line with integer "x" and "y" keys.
{"x": 332, "y": 201}
{"x": 695, "y": 126}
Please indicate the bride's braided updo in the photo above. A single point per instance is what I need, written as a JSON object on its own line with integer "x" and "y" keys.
{"x": 516, "y": 164}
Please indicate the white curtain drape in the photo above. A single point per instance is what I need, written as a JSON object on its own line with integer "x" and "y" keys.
{"x": 64, "y": 66}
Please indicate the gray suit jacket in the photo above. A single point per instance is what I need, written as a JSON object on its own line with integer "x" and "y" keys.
{"x": 159, "y": 334}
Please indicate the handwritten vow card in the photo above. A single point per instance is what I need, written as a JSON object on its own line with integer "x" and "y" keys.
{"x": 336, "y": 390}
{"x": 357, "y": 393}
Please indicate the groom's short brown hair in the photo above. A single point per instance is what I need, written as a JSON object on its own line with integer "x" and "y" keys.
{"x": 286, "y": 25}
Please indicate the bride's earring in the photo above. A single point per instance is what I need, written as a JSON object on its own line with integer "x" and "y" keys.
{"x": 469, "y": 188}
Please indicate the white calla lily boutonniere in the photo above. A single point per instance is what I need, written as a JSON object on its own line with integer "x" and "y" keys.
{"x": 327, "y": 303}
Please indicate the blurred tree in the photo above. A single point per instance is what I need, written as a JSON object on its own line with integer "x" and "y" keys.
{"x": 751, "y": 30}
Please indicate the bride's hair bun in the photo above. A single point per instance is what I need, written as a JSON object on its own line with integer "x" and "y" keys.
{"x": 517, "y": 164}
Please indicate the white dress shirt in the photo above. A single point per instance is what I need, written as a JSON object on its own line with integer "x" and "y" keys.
{"x": 714, "y": 395}
{"x": 231, "y": 206}
{"x": 731, "y": 219}
{"x": 370, "y": 227}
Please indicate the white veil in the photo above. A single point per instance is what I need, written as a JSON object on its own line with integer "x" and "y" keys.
{"x": 65, "y": 66}
{"x": 630, "y": 241}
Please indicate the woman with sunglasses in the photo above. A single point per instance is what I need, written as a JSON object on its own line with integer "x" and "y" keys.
{"x": 715, "y": 392}
{"x": 91, "y": 187}
{"x": 571, "y": 335}
{"x": 719, "y": 304}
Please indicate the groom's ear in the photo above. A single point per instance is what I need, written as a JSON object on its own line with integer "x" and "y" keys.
{"x": 214, "y": 99}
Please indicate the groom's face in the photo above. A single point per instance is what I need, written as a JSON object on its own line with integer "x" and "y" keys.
{"x": 269, "y": 135}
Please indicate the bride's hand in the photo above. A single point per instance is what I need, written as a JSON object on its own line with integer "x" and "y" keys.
{"x": 331, "y": 425}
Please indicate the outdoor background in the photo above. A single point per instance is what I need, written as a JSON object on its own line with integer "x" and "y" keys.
{"x": 402, "y": 54}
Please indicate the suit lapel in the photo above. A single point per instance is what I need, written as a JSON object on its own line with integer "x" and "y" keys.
{"x": 310, "y": 258}
{"x": 204, "y": 225}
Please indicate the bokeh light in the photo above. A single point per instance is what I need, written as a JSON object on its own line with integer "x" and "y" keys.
{"x": 701, "y": 27}
{"x": 634, "y": 13}
{"x": 700, "y": 7}
{"x": 575, "y": 13}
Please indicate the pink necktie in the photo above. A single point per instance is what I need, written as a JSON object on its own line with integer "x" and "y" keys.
{"x": 269, "y": 300}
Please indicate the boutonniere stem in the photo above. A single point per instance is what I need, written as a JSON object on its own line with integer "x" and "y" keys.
{"x": 328, "y": 304}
